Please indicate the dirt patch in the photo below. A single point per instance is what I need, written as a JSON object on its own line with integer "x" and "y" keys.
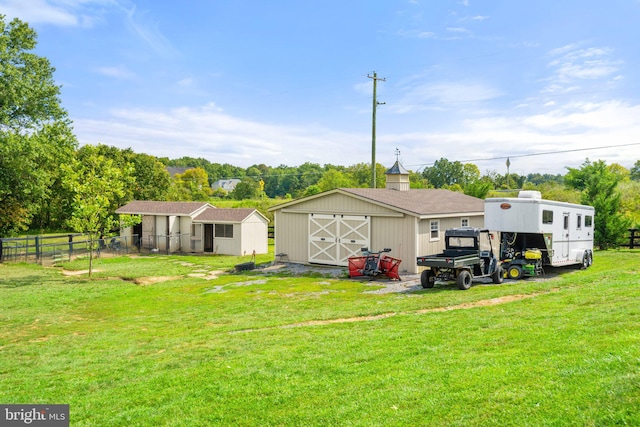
{"x": 485, "y": 303}
{"x": 144, "y": 281}
{"x": 343, "y": 320}
{"x": 78, "y": 272}
{"x": 482, "y": 303}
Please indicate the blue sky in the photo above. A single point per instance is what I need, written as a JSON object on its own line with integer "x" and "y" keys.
{"x": 286, "y": 81}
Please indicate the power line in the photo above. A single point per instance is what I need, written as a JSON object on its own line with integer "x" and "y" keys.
{"x": 510, "y": 156}
{"x": 543, "y": 153}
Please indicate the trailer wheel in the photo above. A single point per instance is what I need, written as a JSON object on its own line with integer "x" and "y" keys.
{"x": 497, "y": 275}
{"x": 464, "y": 280}
{"x": 514, "y": 272}
{"x": 590, "y": 259}
{"x": 427, "y": 280}
{"x": 585, "y": 260}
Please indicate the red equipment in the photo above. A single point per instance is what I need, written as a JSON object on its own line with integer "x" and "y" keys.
{"x": 373, "y": 264}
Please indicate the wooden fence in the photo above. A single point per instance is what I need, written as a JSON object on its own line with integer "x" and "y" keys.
{"x": 634, "y": 239}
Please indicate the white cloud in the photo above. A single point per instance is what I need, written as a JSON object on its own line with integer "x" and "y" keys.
{"x": 141, "y": 25}
{"x": 457, "y": 30}
{"x": 209, "y": 133}
{"x": 574, "y": 66}
{"x": 38, "y": 11}
{"x": 186, "y": 82}
{"x": 64, "y": 13}
{"x": 118, "y": 72}
{"x": 417, "y": 34}
{"x": 442, "y": 95}
{"x": 586, "y": 127}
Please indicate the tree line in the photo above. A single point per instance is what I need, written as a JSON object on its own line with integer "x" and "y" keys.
{"x": 49, "y": 182}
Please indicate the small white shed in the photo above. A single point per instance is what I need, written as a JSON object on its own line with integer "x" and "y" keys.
{"x": 197, "y": 227}
{"x": 230, "y": 231}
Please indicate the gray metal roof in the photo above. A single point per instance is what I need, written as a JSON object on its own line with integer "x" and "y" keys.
{"x": 397, "y": 169}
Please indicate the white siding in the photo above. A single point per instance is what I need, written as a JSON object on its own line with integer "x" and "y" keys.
{"x": 254, "y": 235}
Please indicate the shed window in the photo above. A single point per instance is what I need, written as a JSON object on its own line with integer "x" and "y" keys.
{"x": 547, "y": 217}
{"x": 224, "y": 230}
{"x": 464, "y": 222}
{"x": 435, "y": 230}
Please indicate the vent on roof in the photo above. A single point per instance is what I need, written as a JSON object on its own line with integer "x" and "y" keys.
{"x": 530, "y": 194}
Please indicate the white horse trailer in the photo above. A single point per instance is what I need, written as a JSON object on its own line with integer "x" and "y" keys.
{"x": 535, "y": 232}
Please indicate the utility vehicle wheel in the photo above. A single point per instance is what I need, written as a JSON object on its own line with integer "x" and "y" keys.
{"x": 427, "y": 280}
{"x": 464, "y": 280}
{"x": 497, "y": 275}
{"x": 514, "y": 272}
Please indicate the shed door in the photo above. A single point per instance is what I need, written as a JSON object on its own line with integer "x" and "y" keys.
{"x": 208, "y": 238}
{"x": 334, "y": 238}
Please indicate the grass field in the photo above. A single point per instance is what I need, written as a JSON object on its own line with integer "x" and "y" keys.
{"x": 161, "y": 340}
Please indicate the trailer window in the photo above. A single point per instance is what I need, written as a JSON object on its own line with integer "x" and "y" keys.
{"x": 579, "y": 222}
{"x": 588, "y": 221}
{"x": 435, "y": 230}
{"x": 547, "y": 217}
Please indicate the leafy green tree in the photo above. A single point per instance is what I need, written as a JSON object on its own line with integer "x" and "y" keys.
{"x": 248, "y": 188}
{"x": 312, "y": 190}
{"x": 35, "y": 132}
{"x": 598, "y": 184}
{"x": 310, "y": 174}
{"x": 333, "y": 178}
{"x": 193, "y": 184}
{"x": 360, "y": 175}
{"x": 553, "y": 190}
{"x": 635, "y": 171}
{"x": 416, "y": 180}
{"x": 95, "y": 183}
{"x": 152, "y": 181}
{"x": 479, "y": 188}
{"x": 630, "y": 201}
{"x": 445, "y": 173}
{"x": 537, "y": 178}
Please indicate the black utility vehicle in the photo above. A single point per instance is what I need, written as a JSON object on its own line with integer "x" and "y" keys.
{"x": 468, "y": 255}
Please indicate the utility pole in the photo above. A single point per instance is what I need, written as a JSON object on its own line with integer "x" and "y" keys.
{"x": 373, "y": 127}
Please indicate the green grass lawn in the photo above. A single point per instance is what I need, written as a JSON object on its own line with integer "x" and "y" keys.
{"x": 252, "y": 349}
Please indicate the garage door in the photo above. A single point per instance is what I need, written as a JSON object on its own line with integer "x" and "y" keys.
{"x": 334, "y": 238}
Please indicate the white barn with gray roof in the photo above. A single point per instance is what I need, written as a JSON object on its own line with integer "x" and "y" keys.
{"x": 197, "y": 227}
{"x": 329, "y": 227}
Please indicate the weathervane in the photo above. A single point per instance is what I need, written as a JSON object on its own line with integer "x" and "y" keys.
{"x": 397, "y": 154}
